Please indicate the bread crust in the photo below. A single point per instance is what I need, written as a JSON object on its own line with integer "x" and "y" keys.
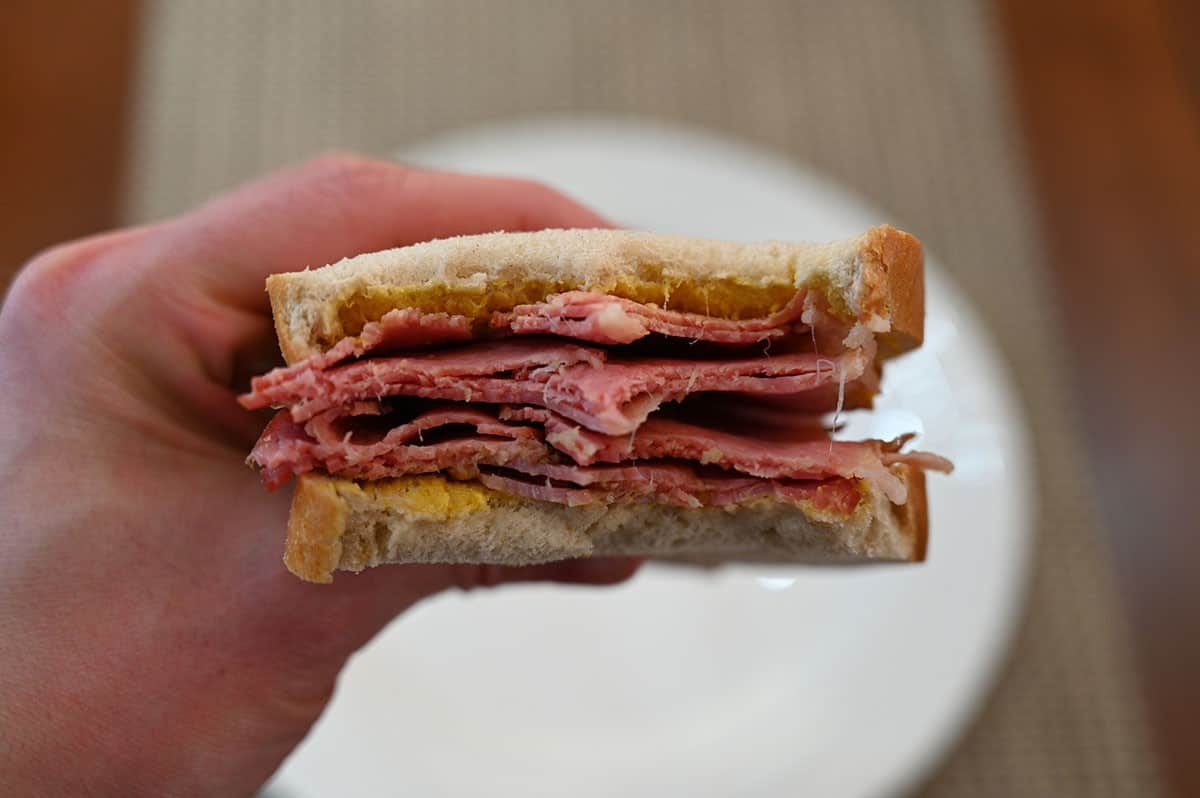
{"x": 912, "y": 517}
{"x": 878, "y": 274}
{"x": 315, "y": 529}
{"x": 293, "y": 347}
{"x": 337, "y": 525}
{"x": 895, "y": 286}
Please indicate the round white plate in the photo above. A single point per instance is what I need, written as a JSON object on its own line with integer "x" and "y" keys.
{"x": 747, "y": 682}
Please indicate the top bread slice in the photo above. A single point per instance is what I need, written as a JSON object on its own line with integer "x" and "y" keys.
{"x": 875, "y": 276}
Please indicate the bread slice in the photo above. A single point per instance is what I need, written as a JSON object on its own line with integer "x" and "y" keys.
{"x": 338, "y": 524}
{"x": 877, "y": 275}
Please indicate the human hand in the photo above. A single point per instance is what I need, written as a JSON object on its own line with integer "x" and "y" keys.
{"x": 151, "y": 641}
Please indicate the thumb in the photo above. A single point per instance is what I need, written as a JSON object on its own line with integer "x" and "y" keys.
{"x": 360, "y": 605}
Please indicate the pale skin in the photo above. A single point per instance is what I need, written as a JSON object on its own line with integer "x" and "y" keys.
{"x": 151, "y": 640}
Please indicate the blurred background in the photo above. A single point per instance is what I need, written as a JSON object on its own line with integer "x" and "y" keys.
{"x": 1047, "y": 151}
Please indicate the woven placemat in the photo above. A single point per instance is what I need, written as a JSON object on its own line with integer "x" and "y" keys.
{"x": 905, "y": 102}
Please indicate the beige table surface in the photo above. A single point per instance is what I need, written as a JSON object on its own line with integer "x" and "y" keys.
{"x": 905, "y": 102}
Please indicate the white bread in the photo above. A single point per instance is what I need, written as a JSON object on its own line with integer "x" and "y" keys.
{"x": 878, "y": 274}
{"x": 338, "y": 524}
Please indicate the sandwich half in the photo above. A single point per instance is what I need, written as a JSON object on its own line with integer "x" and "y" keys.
{"x": 517, "y": 398}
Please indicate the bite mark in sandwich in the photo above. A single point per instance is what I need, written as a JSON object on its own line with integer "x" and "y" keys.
{"x": 519, "y": 398}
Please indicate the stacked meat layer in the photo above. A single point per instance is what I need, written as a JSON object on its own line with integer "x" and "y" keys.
{"x": 589, "y": 398}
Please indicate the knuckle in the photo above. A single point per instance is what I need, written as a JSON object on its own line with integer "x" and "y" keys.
{"x": 340, "y": 177}
{"x": 338, "y": 161}
{"x": 51, "y": 277}
{"x": 350, "y": 168}
{"x": 540, "y": 205}
{"x": 62, "y": 277}
{"x": 536, "y": 188}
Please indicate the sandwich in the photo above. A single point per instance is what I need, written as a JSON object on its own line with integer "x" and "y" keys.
{"x": 518, "y": 398}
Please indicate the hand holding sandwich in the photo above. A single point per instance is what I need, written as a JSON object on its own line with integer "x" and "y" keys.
{"x": 152, "y": 641}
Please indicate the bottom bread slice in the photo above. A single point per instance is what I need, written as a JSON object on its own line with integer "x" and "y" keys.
{"x": 342, "y": 525}
{"x": 339, "y": 524}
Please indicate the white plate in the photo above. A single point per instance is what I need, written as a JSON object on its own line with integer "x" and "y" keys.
{"x": 849, "y": 682}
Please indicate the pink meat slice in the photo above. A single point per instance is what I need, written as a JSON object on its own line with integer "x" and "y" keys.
{"x": 407, "y": 328}
{"x": 696, "y": 490}
{"x": 618, "y": 397}
{"x": 581, "y": 315}
{"x": 659, "y": 459}
{"x": 580, "y": 444}
{"x": 604, "y": 319}
{"x": 287, "y": 448}
{"x": 837, "y": 495}
{"x": 326, "y": 428}
{"x": 763, "y": 457}
{"x": 403, "y": 328}
{"x": 659, "y": 473}
{"x": 491, "y": 371}
{"x": 608, "y": 396}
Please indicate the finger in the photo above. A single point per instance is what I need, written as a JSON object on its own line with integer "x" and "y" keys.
{"x": 584, "y": 571}
{"x": 359, "y": 605}
{"x": 340, "y": 206}
{"x": 53, "y": 276}
{"x": 410, "y": 583}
